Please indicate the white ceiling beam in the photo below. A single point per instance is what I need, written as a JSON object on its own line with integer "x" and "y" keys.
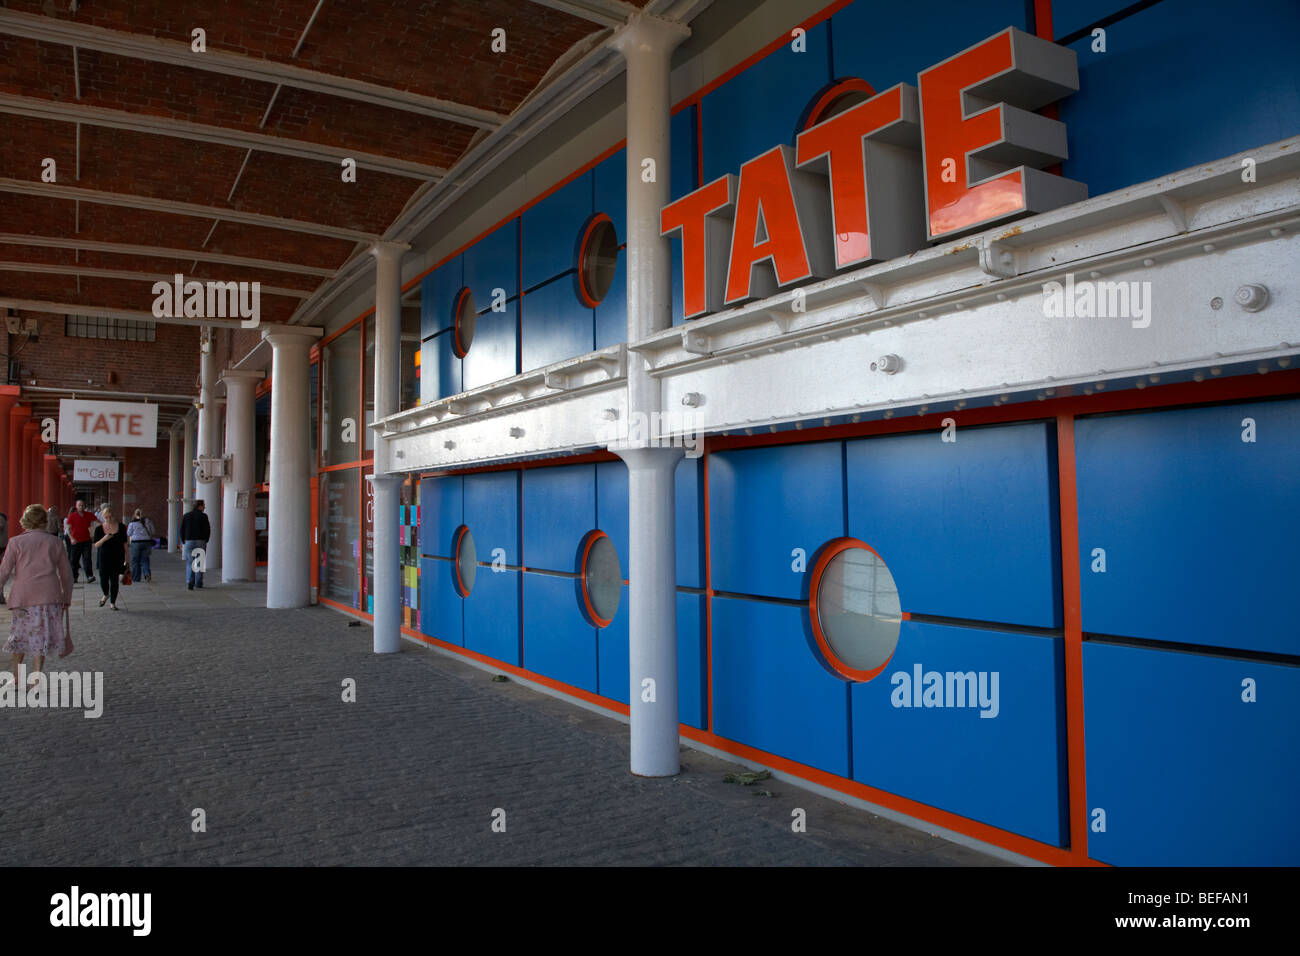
{"x": 68, "y": 112}
{"x": 26, "y": 187}
{"x": 162, "y": 252}
{"x": 178, "y": 53}
{"x": 138, "y": 315}
{"x": 46, "y": 268}
{"x": 608, "y": 13}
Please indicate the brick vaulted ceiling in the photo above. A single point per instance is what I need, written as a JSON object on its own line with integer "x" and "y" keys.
{"x": 136, "y": 122}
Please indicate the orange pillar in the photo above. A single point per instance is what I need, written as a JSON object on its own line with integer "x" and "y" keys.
{"x": 14, "y": 459}
{"x": 8, "y": 399}
{"x": 30, "y": 429}
{"x": 37, "y": 465}
{"x": 50, "y": 490}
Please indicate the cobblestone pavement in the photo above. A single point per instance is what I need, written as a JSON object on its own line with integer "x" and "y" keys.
{"x": 213, "y": 702}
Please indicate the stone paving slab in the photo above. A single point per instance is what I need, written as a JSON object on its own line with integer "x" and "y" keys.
{"x": 211, "y": 701}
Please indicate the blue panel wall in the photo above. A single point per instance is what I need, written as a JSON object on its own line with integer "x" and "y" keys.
{"x": 492, "y": 514}
{"x": 556, "y": 325}
{"x": 611, "y": 510}
{"x": 558, "y": 641}
{"x": 758, "y": 108}
{"x": 440, "y": 370}
{"x": 550, "y": 230}
{"x": 609, "y": 184}
{"x": 1187, "y": 772}
{"x": 689, "y": 492}
{"x": 492, "y": 353}
{"x": 1181, "y": 84}
{"x": 967, "y": 528}
{"x": 1071, "y": 15}
{"x": 1006, "y": 769}
{"x": 611, "y": 314}
{"x": 441, "y": 513}
{"x": 692, "y": 659}
{"x": 437, "y": 292}
{"x": 1199, "y": 527}
{"x": 769, "y": 690}
{"x": 613, "y": 660}
{"x": 493, "y": 263}
{"x": 492, "y": 620}
{"x": 766, "y": 502}
{"x": 441, "y": 608}
{"x": 559, "y": 508}
{"x": 881, "y": 43}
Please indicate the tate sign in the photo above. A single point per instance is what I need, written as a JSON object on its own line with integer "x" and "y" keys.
{"x": 961, "y": 150}
{"x": 115, "y": 424}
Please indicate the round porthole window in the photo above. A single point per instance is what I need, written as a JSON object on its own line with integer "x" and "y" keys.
{"x": 856, "y": 614}
{"x": 597, "y": 259}
{"x": 463, "y": 318}
{"x": 601, "y": 579}
{"x": 465, "y": 564}
{"x": 834, "y": 98}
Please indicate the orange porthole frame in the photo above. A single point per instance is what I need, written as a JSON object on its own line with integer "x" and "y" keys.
{"x": 457, "y": 344}
{"x": 833, "y": 548}
{"x": 457, "y": 580}
{"x": 589, "y": 609}
{"x": 824, "y": 98}
{"x": 585, "y": 295}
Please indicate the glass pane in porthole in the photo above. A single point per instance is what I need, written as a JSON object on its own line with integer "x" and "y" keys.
{"x": 466, "y": 318}
{"x": 600, "y": 260}
{"x": 859, "y": 610}
{"x": 466, "y": 561}
{"x": 604, "y": 578}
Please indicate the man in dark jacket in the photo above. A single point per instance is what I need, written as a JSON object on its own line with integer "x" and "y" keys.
{"x": 195, "y": 532}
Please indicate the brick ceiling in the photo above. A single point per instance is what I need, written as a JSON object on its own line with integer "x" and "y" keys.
{"x": 68, "y": 102}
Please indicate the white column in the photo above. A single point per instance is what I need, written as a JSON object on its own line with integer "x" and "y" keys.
{"x": 388, "y": 356}
{"x": 647, "y": 44}
{"x": 209, "y": 443}
{"x": 173, "y": 484}
{"x": 187, "y": 472}
{"x": 288, "y": 572}
{"x": 239, "y": 539}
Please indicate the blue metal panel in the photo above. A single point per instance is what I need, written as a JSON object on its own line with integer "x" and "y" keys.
{"x": 1187, "y": 772}
{"x": 1223, "y": 83}
{"x": 492, "y": 514}
{"x": 615, "y": 680}
{"x": 440, "y": 370}
{"x": 611, "y": 507}
{"x": 999, "y": 759}
{"x": 690, "y": 529}
{"x": 610, "y": 184}
{"x": 441, "y": 608}
{"x": 967, "y": 528}
{"x": 551, "y": 230}
{"x": 441, "y": 513}
{"x": 437, "y": 291}
{"x": 1198, "y": 527}
{"x": 771, "y": 692}
{"x": 493, "y": 263}
{"x": 1071, "y": 15}
{"x": 611, "y": 314}
{"x": 559, "y": 509}
{"x": 556, "y": 325}
{"x": 492, "y": 621}
{"x": 558, "y": 641}
{"x": 881, "y": 43}
{"x": 766, "y": 502}
{"x": 758, "y": 108}
{"x": 492, "y": 353}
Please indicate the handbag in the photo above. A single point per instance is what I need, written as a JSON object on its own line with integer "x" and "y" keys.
{"x": 126, "y": 577}
{"x": 67, "y": 635}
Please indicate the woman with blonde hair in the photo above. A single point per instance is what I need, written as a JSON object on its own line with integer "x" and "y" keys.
{"x": 110, "y": 548}
{"x": 41, "y": 594}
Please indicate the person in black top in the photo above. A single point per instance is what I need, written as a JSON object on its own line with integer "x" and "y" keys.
{"x": 110, "y": 551}
{"x": 195, "y": 532}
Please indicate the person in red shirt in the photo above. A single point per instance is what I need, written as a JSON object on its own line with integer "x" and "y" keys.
{"x": 80, "y": 524}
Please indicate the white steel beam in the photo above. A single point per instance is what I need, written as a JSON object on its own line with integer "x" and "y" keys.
{"x": 69, "y": 112}
{"x": 178, "y": 53}
{"x": 161, "y": 252}
{"x": 26, "y": 187}
{"x": 608, "y": 13}
{"x": 89, "y": 272}
{"x": 82, "y": 308}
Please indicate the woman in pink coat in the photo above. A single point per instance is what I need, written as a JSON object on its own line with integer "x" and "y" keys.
{"x": 42, "y": 590}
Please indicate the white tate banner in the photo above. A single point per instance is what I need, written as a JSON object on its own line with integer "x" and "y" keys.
{"x": 95, "y": 471}
{"x": 108, "y": 423}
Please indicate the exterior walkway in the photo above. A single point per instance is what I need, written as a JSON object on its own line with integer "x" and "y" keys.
{"x": 213, "y": 702}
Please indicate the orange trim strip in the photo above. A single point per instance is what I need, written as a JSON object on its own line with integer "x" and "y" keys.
{"x": 584, "y": 459}
{"x": 347, "y": 464}
{"x": 1043, "y": 19}
{"x": 1072, "y": 598}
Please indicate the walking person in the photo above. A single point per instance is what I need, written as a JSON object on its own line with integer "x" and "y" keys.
{"x": 41, "y": 593}
{"x": 110, "y": 545}
{"x": 53, "y": 521}
{"x": 140, "y": 533}
{"x": 195, "y": 532}
{"x": 80, "y": 524}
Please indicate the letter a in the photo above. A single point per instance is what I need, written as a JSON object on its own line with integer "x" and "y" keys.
{"x": 199, "y": 40}
{"x": 1248, "y": 690}
{"x": 800, "y": 822}
{"x": 1248, "y": 430}
{"x": 498, "y": 820}
{"x": 199, "y": 821}
{"x": 349, "y": 690}
{"x": 1098, "y": 560}
{"x": 800, "y": 563}
{"x": 1099, "y": 820}
{"x": 49, "y": 172}
{"x": 349, "y": 173}
{"x": 648, "y": 690}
